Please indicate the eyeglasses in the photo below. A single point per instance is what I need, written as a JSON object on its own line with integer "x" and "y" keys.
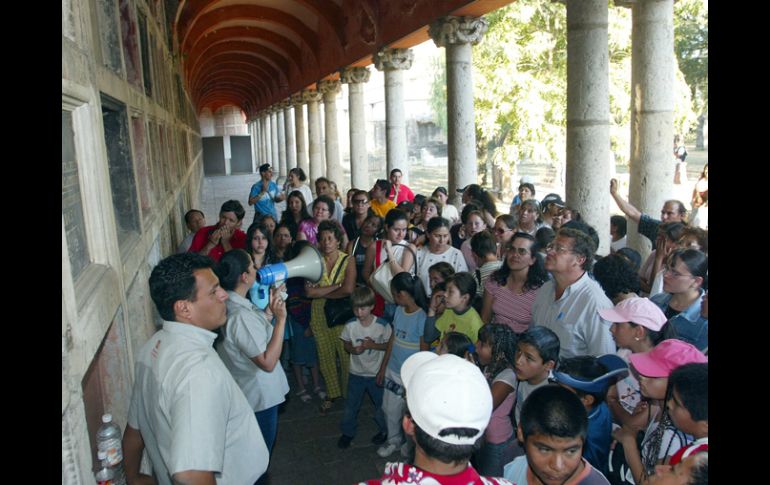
{"x": 677, "y": 274}
{"x": 558, "y": 249}
{"x": 360, "y": 201}
{"x": 519, "y": 251}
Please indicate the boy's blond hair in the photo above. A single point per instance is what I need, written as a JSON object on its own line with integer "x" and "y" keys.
{"x": 362, "y": 296}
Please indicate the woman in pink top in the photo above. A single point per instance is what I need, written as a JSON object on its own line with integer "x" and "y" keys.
{"x": 511, "y": 290}
{"x": 323, "y": 209}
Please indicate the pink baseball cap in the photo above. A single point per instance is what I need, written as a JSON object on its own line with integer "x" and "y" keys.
{"x": 665, "y": 357}
{"x": 640, "y": 311}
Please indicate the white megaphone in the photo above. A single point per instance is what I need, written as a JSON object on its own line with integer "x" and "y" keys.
{"x": 307, "y": 264}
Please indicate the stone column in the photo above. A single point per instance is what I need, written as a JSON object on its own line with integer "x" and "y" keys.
{"x": 288, "y": 127}
{"x": 354, "y": 77}
{"x": 652, "y": 111}
{"x": 457, "y": 34}
{"x": 266, "y": 136}
{"x": 393, "y": 62}
{"x": 281, "y": 141}
{"x": 311, "y": 97}
{"x": 330, "y": 89}
{"x": 274, "y": 159}
{"x": 260, "y": 140}
{"x": 254, "y": 145}
{"x": 588, "y": 115}
{"x": 300, "y": 132}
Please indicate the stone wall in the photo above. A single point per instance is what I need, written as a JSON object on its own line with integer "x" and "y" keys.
{"x": 126, "y": 185}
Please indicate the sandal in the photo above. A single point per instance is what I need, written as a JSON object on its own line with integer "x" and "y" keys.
{"x": 304, "y": 396}
{"x": 320, "y": 393}
{"x": 326, "y": 405}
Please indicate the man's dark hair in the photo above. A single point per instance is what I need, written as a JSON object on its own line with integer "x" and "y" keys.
{"x": 173, "y": 279}
{"x": 445, "y": 452}
{"x": 699, "y": 473}
{"x": 680, "y": 208}
{"x": 691, "y": 383}
{"x": 264, "y": 167}
{"x": 396, "y": 170}
{"x": 231, "y": 266}
{"x": 233, "y": 206}
{"x": 620, "y": 223}
{"x": 553, "y": 410}
{"x": 582, "y": 244}
{"x": 483, "y": 243}
{"x": 189, "y": 214}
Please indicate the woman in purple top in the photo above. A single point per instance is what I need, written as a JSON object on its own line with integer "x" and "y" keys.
{"x": 511, "y": 290}
{"x": 323, "y": 209}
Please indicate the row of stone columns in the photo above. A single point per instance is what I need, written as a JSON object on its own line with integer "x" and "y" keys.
{"x": 588, "y": 146}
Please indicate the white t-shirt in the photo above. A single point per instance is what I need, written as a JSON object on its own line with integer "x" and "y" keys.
{"x": 368, "y": 363}
{"x": 426, "y": 259}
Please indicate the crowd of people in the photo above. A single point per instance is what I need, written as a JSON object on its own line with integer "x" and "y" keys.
{"x": 491, "y": 345}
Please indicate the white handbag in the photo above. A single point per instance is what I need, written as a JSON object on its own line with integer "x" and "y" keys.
{"x": 382, "y": 276}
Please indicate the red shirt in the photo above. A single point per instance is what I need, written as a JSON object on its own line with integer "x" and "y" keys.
{"x": 404, "y": 193}
{"x": 238, "y": 241}
{"x": 697, "y": 446}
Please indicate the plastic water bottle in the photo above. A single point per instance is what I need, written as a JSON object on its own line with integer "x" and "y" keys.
{"x": 105, "y": 476}
{"x": 108, "y": 441}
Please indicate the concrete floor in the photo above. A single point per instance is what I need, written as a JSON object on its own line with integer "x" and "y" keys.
{"x": 306, "y": 450}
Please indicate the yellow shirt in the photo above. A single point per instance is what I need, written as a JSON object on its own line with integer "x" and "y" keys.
{"x": 382, "y": 209}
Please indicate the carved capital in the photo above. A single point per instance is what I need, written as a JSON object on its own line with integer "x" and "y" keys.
{"x": 311, "y": 96}
{"x": 392, "y": 59}
{"x": 354, "y": 75}
{"x": 296, "y": 99}
{"x": 458, "y": 30}
{"x": 285, "y": 104}
{"x": 329, "y": 88}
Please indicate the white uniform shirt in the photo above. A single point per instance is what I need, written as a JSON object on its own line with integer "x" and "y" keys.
{"x": 246, "y": 335}
{"x": 191, "y": 413}
{"x": 574, "y": 317}
{"x": 368, "y": 363}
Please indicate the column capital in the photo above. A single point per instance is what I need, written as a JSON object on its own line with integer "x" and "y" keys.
{"x": 296, "y": 99}
{"x": 285, "y": 104}
{"x": 355, "y": 75}
{"x": 311, "y": 95}
{"x": 329, "y": 87}
{"x": 458, "y": 30}
{"x": 393, "y": 59}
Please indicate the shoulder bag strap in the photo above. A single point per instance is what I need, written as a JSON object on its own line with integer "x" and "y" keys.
{"x": 339, "y": 268}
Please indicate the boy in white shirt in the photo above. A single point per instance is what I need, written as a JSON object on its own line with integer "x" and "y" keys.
{"x": 366, "y": 339}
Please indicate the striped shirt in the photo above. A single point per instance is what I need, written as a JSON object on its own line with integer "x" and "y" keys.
{"x": 509, "y": 308}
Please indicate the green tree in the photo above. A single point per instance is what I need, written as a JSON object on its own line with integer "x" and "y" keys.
{"x": 520, "y": 83}
{"x": 691, "y": 47}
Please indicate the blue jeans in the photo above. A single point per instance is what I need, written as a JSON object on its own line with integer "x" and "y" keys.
{"x": 357, "y": 386}
{"x": 268, "y": 424}
{"x": 491, "y": 458}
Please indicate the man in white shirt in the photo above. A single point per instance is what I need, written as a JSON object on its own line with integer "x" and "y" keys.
{"x": 568, "y": 304}
{"x": 186, "y": 409}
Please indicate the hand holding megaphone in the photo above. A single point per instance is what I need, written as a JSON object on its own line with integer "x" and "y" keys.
{"x": 277, "y": 305}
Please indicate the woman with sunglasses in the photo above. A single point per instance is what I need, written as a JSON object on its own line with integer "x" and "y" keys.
{"x": 683, "y": 283}
{"x": 511, "y": 290}
{"x": 503, "y": 232}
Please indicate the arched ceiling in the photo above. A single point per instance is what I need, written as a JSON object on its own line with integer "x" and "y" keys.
{"x": 255, "y": 53}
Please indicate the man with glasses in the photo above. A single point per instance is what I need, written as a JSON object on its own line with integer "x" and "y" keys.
{"x": 569, "y": 303}
{"x": 353, "y": 220}
{"x": 672, "y": 211}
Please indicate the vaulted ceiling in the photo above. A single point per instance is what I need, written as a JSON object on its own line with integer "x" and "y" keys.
{"x": 255, "y": 53}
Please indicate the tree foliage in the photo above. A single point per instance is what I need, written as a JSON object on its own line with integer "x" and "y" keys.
{"x": 520, "y": 80}
{"x": 692, "y": 49}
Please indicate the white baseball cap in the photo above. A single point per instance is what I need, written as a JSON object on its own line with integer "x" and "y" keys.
{"x": 446, "y": 392}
